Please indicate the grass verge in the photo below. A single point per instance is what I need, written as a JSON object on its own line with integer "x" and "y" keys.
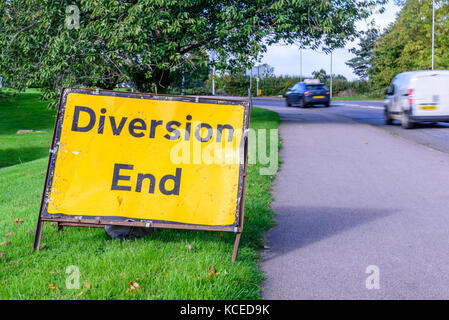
{"x": 167, "y": 264}
{"x": 25, "y": 112}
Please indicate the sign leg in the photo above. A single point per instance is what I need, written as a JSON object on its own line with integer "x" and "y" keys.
{"x": 38, "y": 235}
{"x": 236, "y": 246}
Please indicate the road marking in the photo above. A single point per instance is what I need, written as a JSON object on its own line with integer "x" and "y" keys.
{"x": 361, "y": 106}
{"x": 372, "y": 107}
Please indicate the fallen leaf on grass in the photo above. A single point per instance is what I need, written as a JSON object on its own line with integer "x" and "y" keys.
{"x": 2, "y": 253}
{"x": 6, "y": 243}
{"x": 133, "y": 287}
{"x": 18, "y": 220}
{"x": 220, "y": 235}
{"x": 52, "y": 287}
{"x": 9, "y": 234}
{"x": 30, "y": 231}
{"x": 190, "y": 248}
{"x": 212, "y": 272}
{"x": 87, "y": 285}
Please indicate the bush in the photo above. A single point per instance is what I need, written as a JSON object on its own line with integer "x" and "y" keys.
{"x": 237, "y": 85}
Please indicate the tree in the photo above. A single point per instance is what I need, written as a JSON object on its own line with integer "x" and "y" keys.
{"x": 406, "y": 44}
{"x": 97, "y": 43}
{"x": 362, "y": 60}
{"x": 339, "y": 82}
{"x": 192, "y": 75}
{"x": 321, "y": 75}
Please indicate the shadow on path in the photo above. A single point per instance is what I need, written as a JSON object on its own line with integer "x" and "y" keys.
{"x": 298, "y": 227}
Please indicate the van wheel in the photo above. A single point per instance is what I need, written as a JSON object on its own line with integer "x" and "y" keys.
{"x": 388, "y": 119}
{"x": 406, "y": 123}
{"x": 301, "y": 103}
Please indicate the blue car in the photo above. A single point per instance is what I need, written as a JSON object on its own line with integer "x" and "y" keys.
{"x": 308, "y": 93}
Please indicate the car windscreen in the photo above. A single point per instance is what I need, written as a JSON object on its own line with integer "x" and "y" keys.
{"x": 315, "y": 87}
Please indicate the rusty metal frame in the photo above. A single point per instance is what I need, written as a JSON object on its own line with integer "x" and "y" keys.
{"x": 63, "y": 220}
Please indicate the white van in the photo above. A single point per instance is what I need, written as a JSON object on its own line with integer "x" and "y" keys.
{"x": 418, "y": 96}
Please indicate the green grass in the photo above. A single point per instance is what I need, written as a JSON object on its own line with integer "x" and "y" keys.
{"x": 25, "y": 112}
{"x": 160, "y": 263}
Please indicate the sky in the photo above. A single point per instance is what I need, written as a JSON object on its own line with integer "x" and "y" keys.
{"x": 286, "y": 58}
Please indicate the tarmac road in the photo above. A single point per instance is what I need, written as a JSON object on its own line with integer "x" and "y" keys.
{"x": 359, "y": 204}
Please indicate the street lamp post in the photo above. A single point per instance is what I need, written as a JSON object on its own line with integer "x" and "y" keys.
{"x": 213, "y": 56}
{"x": 257, "y": 86}
{"x": 251, "y": 81}
{"x": 331, "y": 79}
{"x": 213, "y": 80}
{"x": 433, "y": 33}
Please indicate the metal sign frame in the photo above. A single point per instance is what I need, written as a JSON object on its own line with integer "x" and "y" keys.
{"x": 100, "y": 222}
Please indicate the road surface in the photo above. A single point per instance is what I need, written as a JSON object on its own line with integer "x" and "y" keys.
{"x": 362, "y": 208}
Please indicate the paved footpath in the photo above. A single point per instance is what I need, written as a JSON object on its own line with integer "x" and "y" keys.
{"x": 349, "y": 196}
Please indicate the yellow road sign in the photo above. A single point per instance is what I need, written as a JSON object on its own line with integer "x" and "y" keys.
{"x": 144, "y": 158}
